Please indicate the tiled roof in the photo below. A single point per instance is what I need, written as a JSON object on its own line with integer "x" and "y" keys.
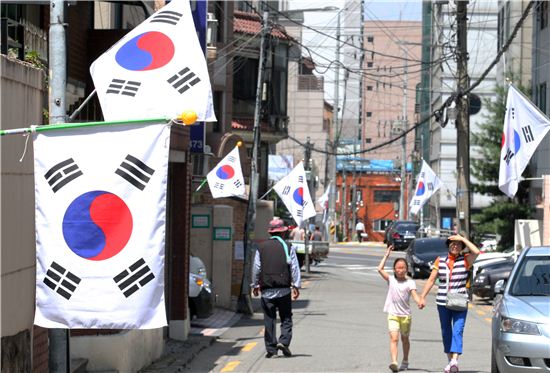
{"x": 250, "y": 23}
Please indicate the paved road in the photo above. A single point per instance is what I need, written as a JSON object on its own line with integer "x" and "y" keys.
{"x": 339, "y": 326}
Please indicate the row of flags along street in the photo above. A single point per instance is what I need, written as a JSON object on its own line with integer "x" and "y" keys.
{"x": 100, "y": 254}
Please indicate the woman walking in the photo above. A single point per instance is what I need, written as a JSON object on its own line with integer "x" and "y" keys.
{"x": 452, "y": 272}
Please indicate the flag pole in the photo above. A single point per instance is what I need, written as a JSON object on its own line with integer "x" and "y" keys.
{"x": 201, "y": 185}
{"x": 266, "y": 193}
{"x": 61, "y": 126}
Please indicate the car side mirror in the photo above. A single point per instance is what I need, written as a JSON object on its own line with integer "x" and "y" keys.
{"x": 499, "y": 286}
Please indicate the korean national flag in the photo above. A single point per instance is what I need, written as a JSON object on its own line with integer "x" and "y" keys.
{"x": 524, "y": 128}
{"x": 100, "y": 205}
{"x": 157, "y": 70}
{"x": 226, "y": 179}
{"x": 294, "y": 192}
{"x": 428, "y": 183}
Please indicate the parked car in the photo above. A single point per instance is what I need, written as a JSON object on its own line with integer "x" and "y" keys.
{"x": 521, "y": 316}
{"x": 484, "y": 259}
{"x": 201, "y": 302}
{"x": 402, "y": 233}
{"x": 422, "y": 253}
{"x": 486, "y": 277}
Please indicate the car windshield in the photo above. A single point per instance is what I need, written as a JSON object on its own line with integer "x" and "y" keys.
{"x": 406, "y": 228}
{"x": 435, "y": 247}
{"x": 532, "y": 278}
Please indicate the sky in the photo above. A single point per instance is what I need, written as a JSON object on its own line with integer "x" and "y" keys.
{"x": 394, "y": 10}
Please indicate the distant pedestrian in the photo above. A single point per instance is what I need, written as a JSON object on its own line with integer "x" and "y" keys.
{"x": 276, "y": 274}
{"x": 360, "y": 229}
{"x": 316, "y": 236}
{"x": 298, "y": 234}
{"x": 397, "y": 305}
{"x": 452, "y": 271}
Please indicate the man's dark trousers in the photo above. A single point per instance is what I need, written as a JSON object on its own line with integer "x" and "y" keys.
{"x": 270, "y": 307}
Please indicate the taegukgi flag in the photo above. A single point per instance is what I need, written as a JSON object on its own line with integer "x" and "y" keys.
{"x": 226, "y": 179}
{"x": 157, "y": 70}
{"x": 524, "y": 128}
{"x": 100, "y": 205}
{"x": 428, "y": 183}
{"x": 294, "y": 192}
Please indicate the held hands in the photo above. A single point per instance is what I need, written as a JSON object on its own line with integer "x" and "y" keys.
{"x": 421, "y": 303}
{"x": 295, "y": 293}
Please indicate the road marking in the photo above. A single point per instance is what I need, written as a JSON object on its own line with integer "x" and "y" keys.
{"x": 229, "y": 367}
{"x": 480, "y": 312}
{"x": 488, "y": 319}
{"x": 305, "y": 283}
{"x": 249, "y": 346}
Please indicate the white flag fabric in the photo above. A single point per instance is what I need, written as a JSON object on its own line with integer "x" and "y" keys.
{"x": 323, "y": 200}
{"x": 100, "y": 205}
{"x": 226, "y": 179}
{"x": 157, "y": 70}
{"x": 524, "y": 128}
{"x": 428, "y": 183}
{"x": 294, "y": 192}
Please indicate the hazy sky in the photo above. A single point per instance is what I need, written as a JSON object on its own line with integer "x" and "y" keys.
{"x": 393, "y": 10}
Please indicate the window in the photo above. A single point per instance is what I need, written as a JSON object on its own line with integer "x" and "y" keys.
{"x": 368, "y": 140}
{"x": 369, "y": 88}
{"x": 543, "y": 14}
{"x": 369, "y": 114}
{"x": 542, "y": 97}
{"x": 380, "y": 225}
{"x": 370, "y": 39}
{"x": 370, "y": 64}
{"x": 386, "y": 195}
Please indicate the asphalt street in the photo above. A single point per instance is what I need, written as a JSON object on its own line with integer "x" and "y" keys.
{"x": 339, "y": 326}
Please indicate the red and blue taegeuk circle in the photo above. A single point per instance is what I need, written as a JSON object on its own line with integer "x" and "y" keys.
{"x": 225, "y": 172}
{"x": 148, "y": 51}
{"x": 298, "y": 196}
{"x": 517, "y": 141}
{"x": 421, "y": 189}
{"x": 97, "y": 225}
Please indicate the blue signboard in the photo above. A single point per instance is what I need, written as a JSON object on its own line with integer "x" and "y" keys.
{"x": 199, "y": 10}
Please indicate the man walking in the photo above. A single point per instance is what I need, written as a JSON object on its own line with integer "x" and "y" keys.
{"x": 276, "y": 274}
{"x": 360, "y": 229}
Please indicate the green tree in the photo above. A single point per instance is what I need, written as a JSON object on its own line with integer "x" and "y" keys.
{"x": 499, "y": 217}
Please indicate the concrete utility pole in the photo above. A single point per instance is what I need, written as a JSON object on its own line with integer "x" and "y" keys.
{"x": 462, "y": 123}
{"x": 332, "y": 199}
{"x": 402, "y": 200}
{"x": 245, "y": 303}
{"x": 59, "y": 353}
{"x": 307, "y": 161}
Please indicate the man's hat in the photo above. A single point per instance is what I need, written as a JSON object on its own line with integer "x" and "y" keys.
{"x": 277, "y": 225}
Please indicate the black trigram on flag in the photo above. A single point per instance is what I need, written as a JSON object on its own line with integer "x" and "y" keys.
{"x": 183, "y": 80}
{"x": 300, "y": 212}
{"x": 416, "y": 202}
{"x": 62, "y": 173}
{"x": 167, "y": 16}
{"x": 430, "y": 186}
{"x": 219, "y": 185}
{"x": 61, "y": 281}
{"x": 422, "y": 175}
{"x": 135, "y": 172}
{"x": 231, "y": 159}
{"x": 237, "y": 183}
{"x": 508, "y": 156}
{"x": 286, "y": 190}
{"x": 123, "y": 87}
{"x": 134, "y": 278}
{"x": 300, "y": 179}
{"x": 527, "y": 133}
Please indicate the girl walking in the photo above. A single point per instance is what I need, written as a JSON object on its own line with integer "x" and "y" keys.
{"x": 397, "y": 305}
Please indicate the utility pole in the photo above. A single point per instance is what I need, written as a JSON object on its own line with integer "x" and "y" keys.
{"x": 336, "y": 133}
{"x": 462, "y": 123}
{"x": 59, "y": 353}
{"x": 402, "y": 200}
{"x": 308, "y": 182}
{"x": 245, "y": 303}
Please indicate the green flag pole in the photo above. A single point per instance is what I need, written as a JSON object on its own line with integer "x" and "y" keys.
{"x": 61, "y": 126}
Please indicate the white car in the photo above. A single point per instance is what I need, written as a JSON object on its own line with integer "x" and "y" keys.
{"x": 521, "y": 316}
{"x": 201, "y": 302}
{"x": 493, "y": 257}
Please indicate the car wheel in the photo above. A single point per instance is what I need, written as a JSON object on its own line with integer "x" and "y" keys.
{"x": 494, "y": 366}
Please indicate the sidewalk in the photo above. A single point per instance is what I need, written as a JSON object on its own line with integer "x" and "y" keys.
{"x": 203, "y": 333}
